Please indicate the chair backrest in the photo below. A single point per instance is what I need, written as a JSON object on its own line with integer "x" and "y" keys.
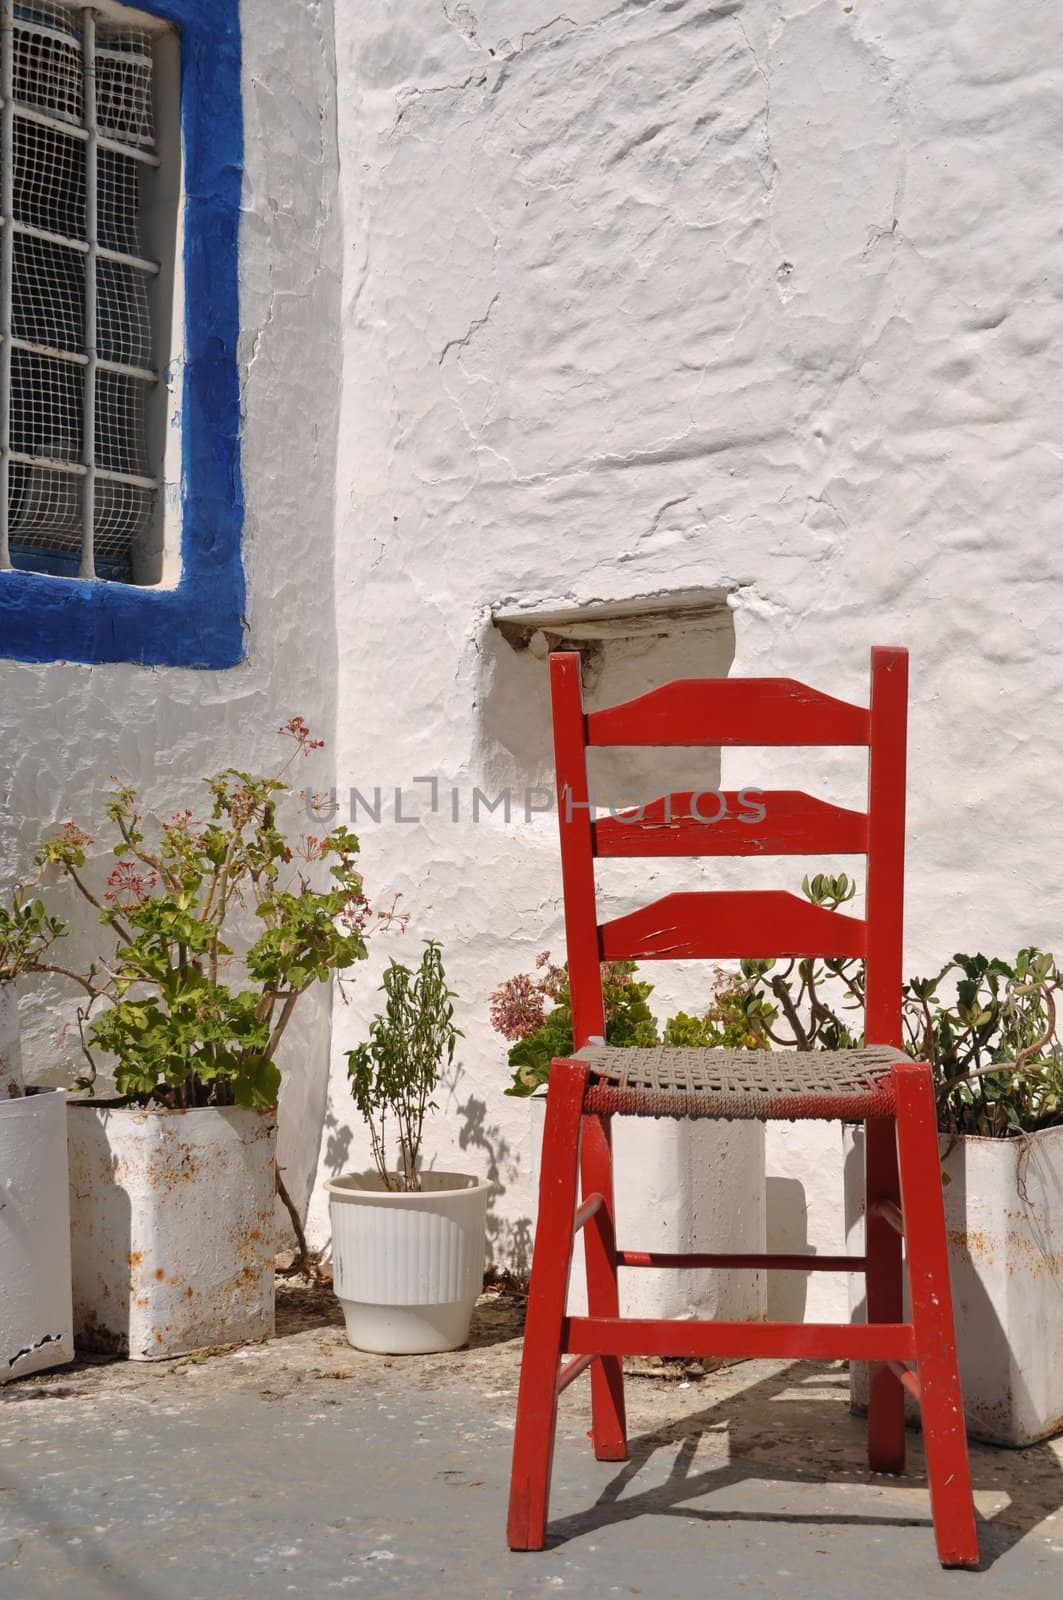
{"x": 725, "y": 923}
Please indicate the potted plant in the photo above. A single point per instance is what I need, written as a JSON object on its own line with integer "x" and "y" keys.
{"x": 714, "y": 1171}
{"x": 35, "y": 1312}
{"x": 988, "y": 1028}
{"x": 408, "y": 1246}
{"x": 216, "y": 928}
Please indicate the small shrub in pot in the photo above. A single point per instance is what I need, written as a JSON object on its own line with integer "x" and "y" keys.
{"x": 408, "y": 1244}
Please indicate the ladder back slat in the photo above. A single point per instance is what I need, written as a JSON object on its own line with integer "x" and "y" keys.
{"x": 730, "y": 711}
{"x": 744, "y": 822}
{"x": 722, "y": 924}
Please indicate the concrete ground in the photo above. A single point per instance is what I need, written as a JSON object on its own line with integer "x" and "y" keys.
{"x": 303, "y": 1467}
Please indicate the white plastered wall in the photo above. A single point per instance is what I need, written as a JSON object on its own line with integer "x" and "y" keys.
{"x": 650, "y": 297}
{"x": 635, "y": 299}
{"x": 65, "y": 728}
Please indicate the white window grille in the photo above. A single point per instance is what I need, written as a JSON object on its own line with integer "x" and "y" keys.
{"x": 80, "y": 457}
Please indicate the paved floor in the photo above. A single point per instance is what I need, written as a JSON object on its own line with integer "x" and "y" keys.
{"x": 278, "y": 1474}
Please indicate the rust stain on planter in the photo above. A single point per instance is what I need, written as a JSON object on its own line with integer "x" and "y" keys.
{"x": 974, "y": 1244}
{"x": 1034, "y": 1258}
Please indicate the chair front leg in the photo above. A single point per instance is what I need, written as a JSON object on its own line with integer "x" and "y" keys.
{"x": 608, "y": 1415}
{"x": 533, "y": 1443}
{"x": 885, "y": 1295}
{"x": 940, "y": 1398}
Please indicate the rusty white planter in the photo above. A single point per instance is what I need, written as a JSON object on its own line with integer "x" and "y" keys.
{"x": 36, "y": 1328}
{"x": 407, "y": 1268}
{"x": 1004, "y": 1216}
{"x": 10, "y": 1047}
{"x": 681, "y": 1187}
{"x": 172, "y": 1227}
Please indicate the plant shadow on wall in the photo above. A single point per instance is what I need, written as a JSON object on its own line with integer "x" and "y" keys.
{"x": 509, "y": 1241}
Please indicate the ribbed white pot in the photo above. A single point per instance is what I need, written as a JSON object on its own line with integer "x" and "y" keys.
{"x": 172, "y": 1227}
{"x": 407, "y": 1268}
{"x": 36, "y": 1329}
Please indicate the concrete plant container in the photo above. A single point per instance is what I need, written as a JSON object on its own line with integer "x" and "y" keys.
{"x": 172, "y": 1227}
{"x": 1004, "y": 1219}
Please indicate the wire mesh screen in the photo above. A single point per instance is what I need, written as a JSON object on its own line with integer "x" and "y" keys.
{"x": 76, "y": 164}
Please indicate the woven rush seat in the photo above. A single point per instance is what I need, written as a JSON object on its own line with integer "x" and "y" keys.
{"x": 753, "y": 1085}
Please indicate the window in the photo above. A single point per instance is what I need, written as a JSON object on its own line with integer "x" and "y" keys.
{"x": 121, "y": 163}
{"x": 84, "y": 301}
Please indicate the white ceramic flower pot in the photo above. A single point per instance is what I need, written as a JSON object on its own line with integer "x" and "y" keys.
{"x": 407, "y": 1268}
{"x": 1004, "y": 1218}
{"x": 172, "y": 1227}
{"x": 681, "y": 1187}
{"x": 36, "y": 1329}
{"x": 10, "y": 1047}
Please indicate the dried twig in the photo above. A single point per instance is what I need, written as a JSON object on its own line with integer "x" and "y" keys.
{"x": 303, "y": 1261}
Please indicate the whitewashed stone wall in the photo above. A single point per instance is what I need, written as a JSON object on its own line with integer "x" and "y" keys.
{"x": 656, "y": 296}
{"x": 65, "y": 728}
{"x": 603, "y": 305}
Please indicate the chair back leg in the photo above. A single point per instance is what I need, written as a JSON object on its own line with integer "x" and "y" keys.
{"x": 608, "y": 1416}
{"x": 941, "y": 1401}
{"x": 533, "y": 1443}
{"x": 885, "y": 1294}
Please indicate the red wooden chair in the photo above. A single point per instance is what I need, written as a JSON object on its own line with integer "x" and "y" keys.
{"x": 877, "y": 1085}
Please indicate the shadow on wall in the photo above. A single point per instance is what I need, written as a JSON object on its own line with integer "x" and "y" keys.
{"x": 786, "y": 1217}
{"x": 622, "y": 657}
{"x": 509, "y": 1240}
{"x": 338, "y": 1137}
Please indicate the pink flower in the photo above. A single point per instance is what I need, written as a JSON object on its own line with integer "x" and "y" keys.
{"x": 322, "y": 805}
{"x": 297, "y": 729}
{"x": 130, "y": 884}
{"x": 518, "y": 1007}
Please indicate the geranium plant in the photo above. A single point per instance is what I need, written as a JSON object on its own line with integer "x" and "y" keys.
{"x": 394, "y": 1076}
{"x": 218, "y": 928}
{"x": 535, "y": 1013}
{"x": 27, "y": 934}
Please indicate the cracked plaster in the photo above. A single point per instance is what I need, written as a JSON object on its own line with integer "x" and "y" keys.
{"x": 752, "y": 296}
{"x": 629, "y": 298}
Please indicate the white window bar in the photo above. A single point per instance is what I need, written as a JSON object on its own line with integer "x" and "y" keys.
{"x": 76, "y": 356}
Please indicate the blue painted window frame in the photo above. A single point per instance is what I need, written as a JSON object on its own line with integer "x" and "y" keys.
{"x": 200, "y": 621}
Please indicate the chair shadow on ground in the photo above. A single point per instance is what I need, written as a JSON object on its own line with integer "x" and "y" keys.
{"x": 833, "y": 1453}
